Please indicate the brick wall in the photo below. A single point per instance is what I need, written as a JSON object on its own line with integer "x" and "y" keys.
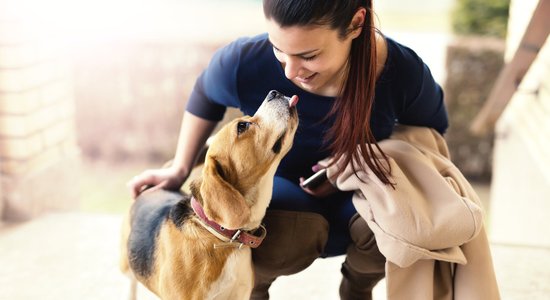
{"x": 38, "y": 153}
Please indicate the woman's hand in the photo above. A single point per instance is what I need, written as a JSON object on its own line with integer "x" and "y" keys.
{"x": 323, "y": 189}
{"x": 170, "y": 178}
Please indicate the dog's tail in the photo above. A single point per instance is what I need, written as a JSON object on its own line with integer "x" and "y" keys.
{"x": 133, "y": 289}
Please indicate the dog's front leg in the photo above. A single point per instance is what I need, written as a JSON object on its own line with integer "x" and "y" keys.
{"x": 133, "y": 288}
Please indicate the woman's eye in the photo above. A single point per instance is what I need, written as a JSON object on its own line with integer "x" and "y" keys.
{"x": 309, "y": 57}
{"x": 242, "y": 127}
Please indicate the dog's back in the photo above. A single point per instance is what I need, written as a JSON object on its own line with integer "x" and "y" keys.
{"x": 146, "y": 218}
{"x": 159, "y": 225}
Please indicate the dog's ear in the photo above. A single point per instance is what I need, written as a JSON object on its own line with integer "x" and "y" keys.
{"x": 222, "y": 203}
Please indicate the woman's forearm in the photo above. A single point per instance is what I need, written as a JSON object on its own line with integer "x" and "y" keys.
{"x": 193, "y": 134}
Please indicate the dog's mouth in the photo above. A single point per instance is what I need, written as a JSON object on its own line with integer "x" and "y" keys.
{"x": 280, "y": 114}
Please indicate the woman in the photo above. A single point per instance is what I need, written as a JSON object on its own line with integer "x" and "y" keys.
{"x": 354, "y": 85}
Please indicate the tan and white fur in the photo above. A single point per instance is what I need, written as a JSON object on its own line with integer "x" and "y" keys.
{"x": 165, "y": 245}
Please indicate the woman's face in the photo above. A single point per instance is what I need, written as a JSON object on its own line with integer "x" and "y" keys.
{"x": 313, "y": 57}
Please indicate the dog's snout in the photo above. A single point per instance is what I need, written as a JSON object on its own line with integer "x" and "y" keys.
{"x": 273, "y": 94}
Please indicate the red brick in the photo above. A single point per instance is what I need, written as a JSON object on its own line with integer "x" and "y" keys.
{"x": 22, "y": 79}
{"x": 20, "y": 148}
{"x": 19, "y": 102}
{"x": 16, "y": 126}
{"x": 22, "y": 202}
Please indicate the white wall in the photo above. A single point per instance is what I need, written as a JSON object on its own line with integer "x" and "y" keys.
{"x": 520, "y": 191}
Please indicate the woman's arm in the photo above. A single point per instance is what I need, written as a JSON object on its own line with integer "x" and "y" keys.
{"x": 193, "y": 134}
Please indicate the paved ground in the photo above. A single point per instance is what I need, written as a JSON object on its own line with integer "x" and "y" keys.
{"x": 75, "y": 256}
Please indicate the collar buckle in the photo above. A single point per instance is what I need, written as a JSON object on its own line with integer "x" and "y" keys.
{"x": 236, "y": 235}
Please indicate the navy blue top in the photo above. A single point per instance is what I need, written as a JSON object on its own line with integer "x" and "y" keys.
{"x": 243, "y": 72}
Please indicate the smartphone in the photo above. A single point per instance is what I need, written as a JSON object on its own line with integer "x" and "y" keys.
{"x": 315, "y": 180}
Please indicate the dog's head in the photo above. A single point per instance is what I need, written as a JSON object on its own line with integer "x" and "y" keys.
{"x": 237, "y": 177}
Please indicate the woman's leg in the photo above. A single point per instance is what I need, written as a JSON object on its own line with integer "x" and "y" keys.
{"x": 296, "y": 236}
{"x": 364, "y": 265}
{"x": 349, "y": 234}
{"x": 298, "y": 233}
{"x": 338, "y": 210}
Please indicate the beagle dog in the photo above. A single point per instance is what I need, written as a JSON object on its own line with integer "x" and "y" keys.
{"x": 198, "y": 246}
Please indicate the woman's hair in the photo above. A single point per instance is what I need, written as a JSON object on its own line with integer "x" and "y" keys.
{"x": 352, "y": 108}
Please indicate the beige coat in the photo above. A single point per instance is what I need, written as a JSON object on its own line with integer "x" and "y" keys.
{"x": 430, "y": 228}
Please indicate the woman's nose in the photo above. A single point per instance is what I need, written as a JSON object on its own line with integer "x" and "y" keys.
{"x": 292, "y": 67}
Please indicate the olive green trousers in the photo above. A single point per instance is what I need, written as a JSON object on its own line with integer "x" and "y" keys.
{"x": 295, "y": 239}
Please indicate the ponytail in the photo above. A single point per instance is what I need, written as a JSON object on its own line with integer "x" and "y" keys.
{"x": 352, "y": 109}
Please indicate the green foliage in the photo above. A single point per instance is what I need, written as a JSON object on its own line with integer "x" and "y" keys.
{"x": 481, "y": 17}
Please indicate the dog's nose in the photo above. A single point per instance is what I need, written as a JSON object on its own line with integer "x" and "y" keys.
{"x": 273, "y": 94}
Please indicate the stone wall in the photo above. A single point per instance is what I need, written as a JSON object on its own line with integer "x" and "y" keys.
{"x": 38, "y": 153}
{"x": 473, "y": 64}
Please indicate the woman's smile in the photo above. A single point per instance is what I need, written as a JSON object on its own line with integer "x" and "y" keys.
{"x": 307, "y": 79}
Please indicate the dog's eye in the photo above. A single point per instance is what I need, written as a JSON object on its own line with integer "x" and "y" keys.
{"x": 277, "y": 146}
{"x": 242, "y": 127}
{"x": 220, "y": 170}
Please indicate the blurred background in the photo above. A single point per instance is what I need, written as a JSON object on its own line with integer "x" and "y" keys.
{"x": 92, "y": 93}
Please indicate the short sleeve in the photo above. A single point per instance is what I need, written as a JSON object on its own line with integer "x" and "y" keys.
{"x": 216, "y": 88}
{"x": 423, "y": 103}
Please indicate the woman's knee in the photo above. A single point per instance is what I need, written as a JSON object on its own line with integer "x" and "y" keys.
{"x": 294, "y": 240}
{"x": 363, "y": 255}
{"x": 361, "y": 234}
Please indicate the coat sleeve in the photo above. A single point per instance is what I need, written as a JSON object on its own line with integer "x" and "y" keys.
{"x": 431, "y": 212}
